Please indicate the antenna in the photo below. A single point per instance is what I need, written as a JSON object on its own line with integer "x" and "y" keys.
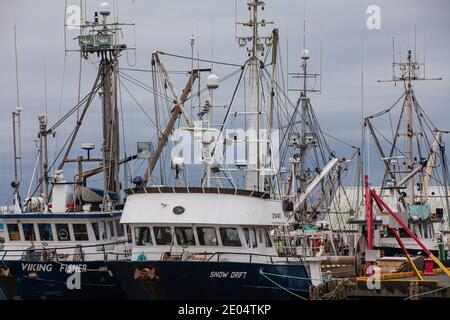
{"x": 415, "y": 42}
{"x": 304, "y": 25}
{"x": 45, "y": 87}
{"x": 255, "y": 43}
{"x": 408, "y": 71}
{"x": 16, "y": 130}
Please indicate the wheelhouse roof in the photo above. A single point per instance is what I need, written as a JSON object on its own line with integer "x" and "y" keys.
{"x": 68, "y": 215}
{"x": 202, "y": 208}
{"x": 156, "y": 189}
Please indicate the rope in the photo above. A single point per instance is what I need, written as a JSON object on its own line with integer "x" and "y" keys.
{"x": 427, "y": 292}
{"x": 328, "y": 295}
{"x": 305, "y": 278}
{"x": 199, "y": 60}
{"x": 280, "y": 286}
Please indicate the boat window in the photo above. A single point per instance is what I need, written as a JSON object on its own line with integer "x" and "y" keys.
{"x": 62, "y": 230}
{"x": 119, "y": 229}
{"x": 260, "y": 236}
{"x": 95, "y": 228}
{"x": 207, "y": 236}
{"x": 250, "y": 237}
{"x": 80, "y": 232}
{"x": 99, "y": 230}
{"x": 230, "y": 237}
{"x": 102, "y": 230}
{"x": 111, "y": 229}
{"x": 129, "y": 235}
{"x": 13, "y": 232}
{"x": 267, "y": 239}
{"x": 142, "y": 236}
{"x": 45, "y": 231}
{"x": 28, "y": 231}
{"x": 163, "y": 235}
{"x": 185, "y": 236}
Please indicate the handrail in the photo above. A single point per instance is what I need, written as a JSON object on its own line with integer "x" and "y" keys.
{"x": 51, "y": 253}
{"x": 71, "y": 247}
{"x": 250, "y": 254}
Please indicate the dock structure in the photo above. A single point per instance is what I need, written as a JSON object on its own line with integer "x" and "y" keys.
{"x": 389, "y": 286}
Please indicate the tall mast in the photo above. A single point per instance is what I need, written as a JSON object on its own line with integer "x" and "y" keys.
{"x": 16, "y": 135}
{"x": 409, "y": 72}
{"x": 304, "y": 124}
{"x": 43, "y": 160}
{"x": 409, "y": 130}
{"x": 254, "y": 112}
{"x": 306, "y": 137}
{"x": 99, "y": 38}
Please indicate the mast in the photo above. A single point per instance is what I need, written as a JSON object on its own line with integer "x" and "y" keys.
{"x": 16, "y": 136}
{"x": 410, "y": 71}
{"x": 409, "y": 129}
{"x": 43, "y": 159}
{"x": 99, "y": 38}
{"x": 254, "y": 112}
{"x": 307, "y": 138}
{"x": 17, "y": 158}
{"x": 304, "y": 122}
{"x": 253, "y": 119}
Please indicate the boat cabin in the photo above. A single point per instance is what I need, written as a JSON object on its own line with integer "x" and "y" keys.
{"x": 201, "y": 224}
{"x": 64, "y": 236}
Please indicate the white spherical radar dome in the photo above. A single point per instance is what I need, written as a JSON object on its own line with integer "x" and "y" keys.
{"x": 212, "y": 82}
{"x": 104, "y": 8}
{"x": 305, "y": 54}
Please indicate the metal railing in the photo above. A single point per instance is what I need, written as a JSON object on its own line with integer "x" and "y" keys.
{"x": 51, "y": 253}
{"x": 294, "y": 258}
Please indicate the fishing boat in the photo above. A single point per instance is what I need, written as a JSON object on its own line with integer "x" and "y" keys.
{"x": 60, "y": 236}
{"x": 174, "y": 240}
{"x": 414, "y": 183}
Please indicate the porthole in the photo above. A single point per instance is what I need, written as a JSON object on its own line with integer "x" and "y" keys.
{"x": 178, "y": 210}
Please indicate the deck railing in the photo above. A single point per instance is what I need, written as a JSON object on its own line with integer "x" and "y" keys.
{"x": 60, "y": 253}
{"x": 251, "y": 256}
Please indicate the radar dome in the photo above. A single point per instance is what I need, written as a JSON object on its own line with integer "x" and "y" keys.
{"x": 305, "y": 54}
{"x": 104, "y": 9}
{"x": 212, "y": 82}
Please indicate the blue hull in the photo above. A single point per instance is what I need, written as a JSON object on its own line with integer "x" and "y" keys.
{"x": 167, "y": 280}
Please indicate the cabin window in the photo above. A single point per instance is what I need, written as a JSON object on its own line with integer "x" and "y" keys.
{"x": 102, "y": 230}
{"x": 163, "y": 235}
{"x": 95, "y": 228}
{"x": 111, "y": 228}
{"x": 185, "y": 236}
{"x": 142, "y": 236}
{"x": 230, "y": 237}
{"x": 267, "y": 239}
{"x": 62, "y": 230}
{"x": 45, "y": 231}
{"x": 250, "y": 237}
{"x": 260, "y": 235}
{"x": 119, "y": 228}
{"x": 80, "y": 232}
{"x": 28, "y": 231}
{"x": 129, "y": 235}
{"x": 99, "y": 230}
{"x": 13, "y": 232}
{"x": 207, "y": 236}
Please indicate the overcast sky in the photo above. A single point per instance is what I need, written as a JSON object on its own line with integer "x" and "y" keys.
{"x": 168, "y": 26}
